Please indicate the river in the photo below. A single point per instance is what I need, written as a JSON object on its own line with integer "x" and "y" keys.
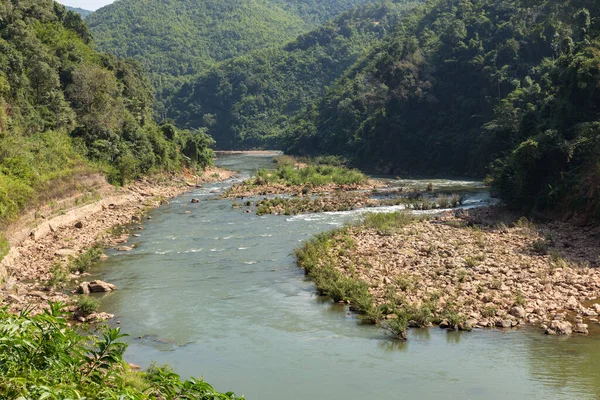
{"x": 216, "y": 293}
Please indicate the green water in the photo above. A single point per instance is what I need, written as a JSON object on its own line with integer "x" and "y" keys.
{"x": 216, "y": 293}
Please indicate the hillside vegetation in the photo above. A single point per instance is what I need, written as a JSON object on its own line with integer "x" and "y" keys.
{"x": 67, "y": 110}
{"x": 174, "y": 39}
{"x": 248, "y": 101}
{"x": 84, "y": 13}
{"x": 460, "y": 84}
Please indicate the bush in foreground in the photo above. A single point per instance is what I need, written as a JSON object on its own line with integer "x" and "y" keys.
{"x": 42, "y": 357}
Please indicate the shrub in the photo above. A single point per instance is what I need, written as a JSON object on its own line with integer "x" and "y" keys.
{"x": 42, "y": 357}
{"x": 397, "y": 326}
{"x": 540, "y": 246}
{"x": 84, "y": 261}
{"x": 59, "y": 275}
{"x": 87, "y": 305}
{"x": 489, "y": 312}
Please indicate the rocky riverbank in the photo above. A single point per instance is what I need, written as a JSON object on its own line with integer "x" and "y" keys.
{"x": 471, "y": 270}
{"x": 27, "y": 272}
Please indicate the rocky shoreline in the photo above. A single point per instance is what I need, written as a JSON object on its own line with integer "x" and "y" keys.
{"x": 475, "y": 269}
{"x": 26, "y": 271}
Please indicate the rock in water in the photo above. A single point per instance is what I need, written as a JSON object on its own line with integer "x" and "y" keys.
{"x": 101, "y": 286}
{"x": 581, "y": 328}
{"x": 560, "y": 328}
{"x": 83, "y": 288}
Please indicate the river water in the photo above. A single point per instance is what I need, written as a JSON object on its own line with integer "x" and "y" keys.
{"x": 216, "y": 293}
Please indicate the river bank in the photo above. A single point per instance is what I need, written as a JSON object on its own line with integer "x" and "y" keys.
{"x": 471, "y": 270}
{"x": 37, "y": 253}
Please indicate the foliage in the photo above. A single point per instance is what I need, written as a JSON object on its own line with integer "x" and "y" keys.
{"x": 84, "y": 261}
{"x": 311, "y": 175}
{"x": 87, "y": 304}
{"x": 42, "y": 357}
{"x": 175, "y": 40}
{"x": 459, "y": 84}
{"x": 80, "y": 11}
{"x": 248, "y": 101}
{"x": 67, "y": 111}
{"x": 315, "y": 258}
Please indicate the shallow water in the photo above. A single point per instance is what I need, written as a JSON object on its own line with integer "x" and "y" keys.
{"x": 216, "y": 293}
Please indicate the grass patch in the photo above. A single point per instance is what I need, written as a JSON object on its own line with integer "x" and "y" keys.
{"x": 4, "y": 246}
{"x": 315, "y": 258}
{"x": 387, "y": 223}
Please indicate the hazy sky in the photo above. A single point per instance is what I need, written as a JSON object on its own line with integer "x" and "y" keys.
{"x": 86, "y": 4}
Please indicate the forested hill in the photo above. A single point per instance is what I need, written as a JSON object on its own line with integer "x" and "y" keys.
{"x": 178, "y": 38}
{"x": 463, "y": 83}
{"x": 67, "y": 110}
{"x": 80, "y": 11}
{"x": 248, "y": 101}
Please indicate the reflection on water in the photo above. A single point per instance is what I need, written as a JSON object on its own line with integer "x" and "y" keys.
{"x": 216, "y": 293}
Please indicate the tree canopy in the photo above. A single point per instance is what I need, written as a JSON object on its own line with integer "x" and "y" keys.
{"x": 66, "y": 109}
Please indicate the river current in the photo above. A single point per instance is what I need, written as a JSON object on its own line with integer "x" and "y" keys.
{"x": 215, "y": 292}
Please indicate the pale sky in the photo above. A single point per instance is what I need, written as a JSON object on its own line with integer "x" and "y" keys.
{"x": 86, "y": 4}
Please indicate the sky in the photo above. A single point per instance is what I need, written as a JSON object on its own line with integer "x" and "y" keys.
{"x": 86, "y": 4}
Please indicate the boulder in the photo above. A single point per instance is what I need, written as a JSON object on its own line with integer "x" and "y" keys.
{"x": 560, "y": 327}
{"x": 124, "y": 248}
{"x": 445, "y": 324}
{"x": 100, "y": 317}
{"x": 101, "y": 286}
{"x": 581, "y": 328}
{"x": 518, "y": 312}
{"x": 504, "y": 323}
{"x": 572, "y": 303}
{"x": 596, "y": 308}
{"x": 195, "y": 201}
{"x": 83, "y": 288}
